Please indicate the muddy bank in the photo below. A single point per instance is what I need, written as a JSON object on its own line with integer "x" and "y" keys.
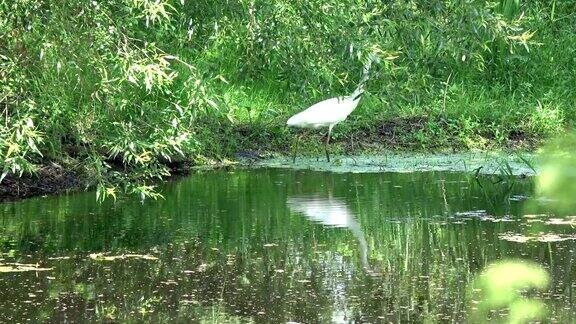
{"x": 407, "y": 134}
{"x": 50, "y": 179}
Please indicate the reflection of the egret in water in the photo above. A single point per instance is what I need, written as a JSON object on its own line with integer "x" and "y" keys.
{"x": 334, "y": 213}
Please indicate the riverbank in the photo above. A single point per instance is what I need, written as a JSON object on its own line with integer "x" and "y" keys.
{"x": 49, "y": 179}
{"x": 349, "y": 155}
{"x": 398, "y": 145}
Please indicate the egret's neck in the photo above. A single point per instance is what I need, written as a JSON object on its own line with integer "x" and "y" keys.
{"x": 359, "y": 234}
{"x": 357, "y": 94}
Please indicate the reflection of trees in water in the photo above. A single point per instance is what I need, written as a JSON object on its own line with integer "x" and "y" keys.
{"x": 264, "y": 260}
{"x": 266, "y": 284}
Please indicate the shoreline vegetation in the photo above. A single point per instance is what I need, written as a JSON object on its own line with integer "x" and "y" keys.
{"x": 119, "y": 95}
{"x": 55, "y": 179}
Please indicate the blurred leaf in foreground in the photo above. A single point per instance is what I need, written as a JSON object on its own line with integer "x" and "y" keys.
{"x": 500, "y": 287}
{"x": 557, "y": 178}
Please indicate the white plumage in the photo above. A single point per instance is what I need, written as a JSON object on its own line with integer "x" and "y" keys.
{"x": 329, "y": 112}
{"x": 326, "y": 113}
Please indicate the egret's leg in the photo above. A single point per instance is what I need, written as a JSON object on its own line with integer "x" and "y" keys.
{"x": 295, "y": 147}
{"x": 327, "y": 141}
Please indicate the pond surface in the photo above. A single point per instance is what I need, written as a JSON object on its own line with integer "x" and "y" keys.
{"x": 274, "y": 245}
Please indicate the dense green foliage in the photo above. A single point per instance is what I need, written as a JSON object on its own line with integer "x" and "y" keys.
{"x": 121, "y": 87}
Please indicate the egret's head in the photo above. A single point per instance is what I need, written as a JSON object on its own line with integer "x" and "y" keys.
{"x": 373, "y": 57}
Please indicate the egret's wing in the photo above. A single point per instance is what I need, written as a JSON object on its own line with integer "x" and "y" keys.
{"x": 323, "y": 113}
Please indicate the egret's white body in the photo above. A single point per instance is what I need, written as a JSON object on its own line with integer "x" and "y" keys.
{"x": 329, "y": 112}
{"x": 326, "y": 113}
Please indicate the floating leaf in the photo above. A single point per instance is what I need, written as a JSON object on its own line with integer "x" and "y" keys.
{"x": 562, "y": 221}
{"x": 103, "y": 257}
{"x": 543, "y": 237}
{"x": 515, "y": 238}
{"x": 21, "y": 267}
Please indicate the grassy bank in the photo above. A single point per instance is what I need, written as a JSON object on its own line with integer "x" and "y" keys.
{"x": 118, "y": 90}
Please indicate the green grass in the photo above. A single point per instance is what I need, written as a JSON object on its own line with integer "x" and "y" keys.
{"x": 470, "y": 117}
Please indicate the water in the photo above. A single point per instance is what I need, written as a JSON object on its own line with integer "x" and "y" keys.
{"x": 272, "y": 245}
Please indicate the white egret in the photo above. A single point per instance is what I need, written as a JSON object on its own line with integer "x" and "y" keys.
{"x": 329, "y": 112}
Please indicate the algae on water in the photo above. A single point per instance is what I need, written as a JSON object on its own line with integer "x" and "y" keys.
{"x": 484, "y": 163}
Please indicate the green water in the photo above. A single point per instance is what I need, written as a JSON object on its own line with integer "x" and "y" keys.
{"x": 273, "y": 245}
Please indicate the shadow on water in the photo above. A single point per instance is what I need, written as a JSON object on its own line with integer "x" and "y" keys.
{"x": 271, "y": 245}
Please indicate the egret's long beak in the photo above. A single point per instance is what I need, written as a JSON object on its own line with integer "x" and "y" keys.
{"x": 358, "y": 96}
